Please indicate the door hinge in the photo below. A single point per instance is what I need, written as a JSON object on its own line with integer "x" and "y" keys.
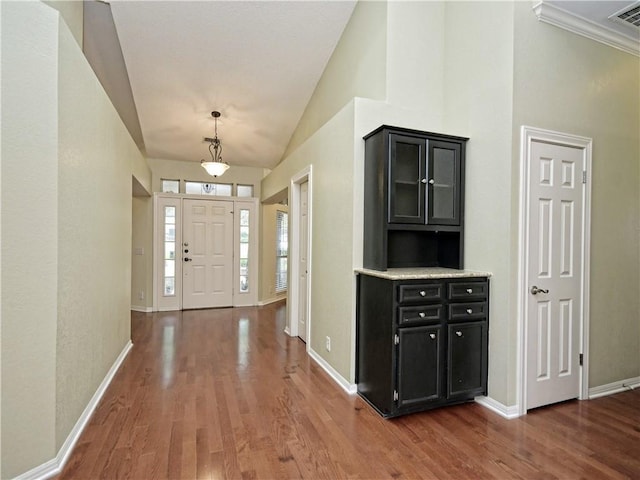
{"x": 396, "y": 339}
{"x": 395, "y": 395}
{"x": 581, "y": 359}
{"x": 584, "y": 176}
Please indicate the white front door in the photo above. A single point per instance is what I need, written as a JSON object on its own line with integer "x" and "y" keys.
{"x": 303, "y": 261}
{"x": 207, "y": 253}
{"x": 553, "y": 301}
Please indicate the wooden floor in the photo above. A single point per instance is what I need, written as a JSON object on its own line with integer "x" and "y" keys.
{"x": 226, "y": 394}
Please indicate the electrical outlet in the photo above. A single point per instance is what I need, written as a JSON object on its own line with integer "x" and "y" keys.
{"x": 328, "y": 344}
{"x": 141, "y": 295}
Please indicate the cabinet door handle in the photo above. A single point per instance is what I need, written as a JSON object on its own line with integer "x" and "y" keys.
{"x": 469, "y": 311}
{"x": 469, "y": 290}
{"x": 432, "y": 336}
{"x": 422, "y": 293}
{"x": 432, "y": 181}
{"x": 422, "y": 314}
{"x": 424, "y": 180}
{"x": 459, "y": 333}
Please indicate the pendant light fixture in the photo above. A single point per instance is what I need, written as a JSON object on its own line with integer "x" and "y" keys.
{"x": 215, "y": 166}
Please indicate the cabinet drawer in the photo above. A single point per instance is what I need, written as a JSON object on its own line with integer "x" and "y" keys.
{"x": 420, "y": 314}
{"x": 467, "y": 311}
{"x": 420, "y": 293}
{"x": 468, "y": 291}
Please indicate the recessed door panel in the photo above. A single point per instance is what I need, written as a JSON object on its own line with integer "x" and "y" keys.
{"x": 553, "y": 299}
{"x": 207, "y": 253}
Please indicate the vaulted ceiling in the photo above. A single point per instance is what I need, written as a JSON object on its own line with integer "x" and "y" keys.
{"x": 257, "y": 62}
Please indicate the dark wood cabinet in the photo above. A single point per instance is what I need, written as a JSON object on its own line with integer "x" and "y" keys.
{"x": 467, "y": 352}
{"x": 422, "y": 338}
{"x": 421, "y": 343}
{"x": 407, "y": 179}
{"x": 414, "y": 199}
{"x": 420, "y": 364}
{"x": 444, "y": 183}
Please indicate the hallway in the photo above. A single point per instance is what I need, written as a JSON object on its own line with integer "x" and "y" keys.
{"x": 226, "y": 394}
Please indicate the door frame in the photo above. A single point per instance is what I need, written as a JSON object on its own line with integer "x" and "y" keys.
{"x": 527, "y": 136}
{"x": 297, "y": 180}
{"x": 239, "y": 299}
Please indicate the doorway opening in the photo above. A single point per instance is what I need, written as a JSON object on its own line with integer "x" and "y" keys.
{"x": 300, "y": 258}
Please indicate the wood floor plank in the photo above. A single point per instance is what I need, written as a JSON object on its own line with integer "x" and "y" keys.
{"x": 225, "y": 394}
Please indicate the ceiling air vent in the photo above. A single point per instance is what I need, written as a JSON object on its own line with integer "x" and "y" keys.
{"x": 630, "y": 15}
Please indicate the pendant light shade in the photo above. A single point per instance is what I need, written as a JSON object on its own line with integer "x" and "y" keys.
{"x": 215, "y": 167}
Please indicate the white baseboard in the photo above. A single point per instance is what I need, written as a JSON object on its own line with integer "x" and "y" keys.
{"x": 262, "y": 303}
{"x": 55, "y": 465}
{"x": 351, "y": 389}
{"x": 508, "y": 412}
{"x": 615, "y": 387}
{"x": 138, "y": 308}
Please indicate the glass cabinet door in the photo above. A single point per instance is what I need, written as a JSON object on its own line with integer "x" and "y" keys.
{"x": 406, "y": 179}
{"x": 443, "y": 203}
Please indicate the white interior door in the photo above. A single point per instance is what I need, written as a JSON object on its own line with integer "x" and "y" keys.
{"x": 303, "y": 268}
{"x": 554, "y": 273}
{"x": 207, "y": 253}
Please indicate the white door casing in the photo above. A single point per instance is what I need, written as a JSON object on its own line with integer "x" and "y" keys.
{"x": 303, "y": 219}
{"x": 293, "y": 289}
{"x": 554, "y": 267}
{"x": 207, "y": 251}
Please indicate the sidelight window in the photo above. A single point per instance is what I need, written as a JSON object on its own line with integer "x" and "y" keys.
{"x": 169, "y": 277}
{"x": 244, "y": 250}
{"x": 282, "y": 250}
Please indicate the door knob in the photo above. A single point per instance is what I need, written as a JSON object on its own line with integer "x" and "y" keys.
{"x": 187, "y": 259}
{"x": 535, "y": 290}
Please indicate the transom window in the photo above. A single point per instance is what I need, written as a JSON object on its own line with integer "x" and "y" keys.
{"x": 170, "y": 186}
{"x": 245, "y": 190}
{"x": 202, "y": 188}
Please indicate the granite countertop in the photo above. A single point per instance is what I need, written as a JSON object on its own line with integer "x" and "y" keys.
{"x": 421, "y": 273}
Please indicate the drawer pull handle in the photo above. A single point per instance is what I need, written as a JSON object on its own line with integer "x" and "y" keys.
{"x": 459, "y": 333}
{"x": 422, "y": 314}
{"x": 422, "y": 293}
{"x": 469, "y": 290}
{"x": 469, "y": 311}
{"x": 432, "y": 336}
